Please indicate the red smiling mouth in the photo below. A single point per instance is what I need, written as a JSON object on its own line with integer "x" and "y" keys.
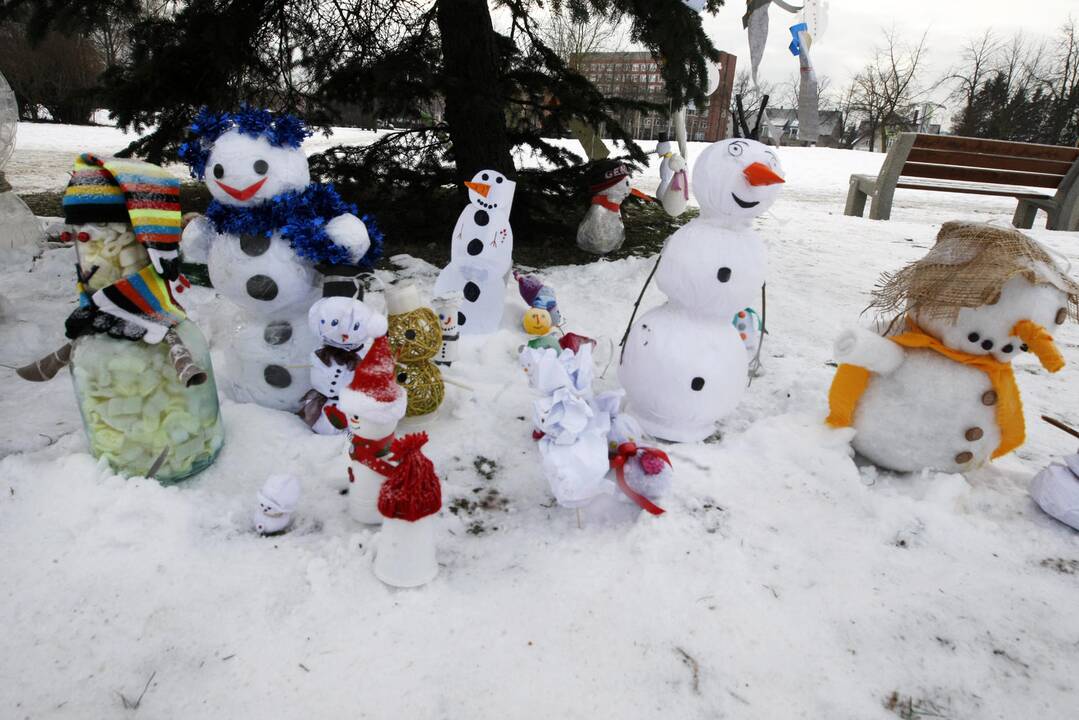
{"x": 246, "y": 194}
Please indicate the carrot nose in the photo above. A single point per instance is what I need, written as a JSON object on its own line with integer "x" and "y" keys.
{"x": 643, "y": 196}
{"x": 760, "y": 174}
{"x": 1040, "y": 343}
{"x": 481, "y": 188}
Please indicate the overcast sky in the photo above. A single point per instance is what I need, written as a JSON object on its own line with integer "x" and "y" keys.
{"x": 854, "y": 27}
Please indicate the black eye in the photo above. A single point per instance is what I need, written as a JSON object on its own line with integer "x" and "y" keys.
{"x": 486, "y": 176}
{"x": 261, "y": 167}
{"x": 974, "y": 337}
{"x": 402, "y": 377}
{"x": 219, "y": 172}
{"x": 498, "y": 180}
{"x": 1007, "y": 348}
{"x": 735, "y": 149}
{"x": 410, "y": 334}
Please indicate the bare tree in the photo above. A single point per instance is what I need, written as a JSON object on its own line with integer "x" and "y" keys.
{"x": 572, "y": 38}
{"x": 979, "y": 58}
{"x": 888, "y": 86}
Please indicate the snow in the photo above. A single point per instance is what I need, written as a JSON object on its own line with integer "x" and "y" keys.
{"x": 783, "y": 581}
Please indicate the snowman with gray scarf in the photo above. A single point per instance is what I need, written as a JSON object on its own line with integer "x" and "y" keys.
{"x": 270, "y": 239}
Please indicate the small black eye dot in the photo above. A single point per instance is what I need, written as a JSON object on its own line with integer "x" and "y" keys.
{"x": 498, "y": 180}
{"x": 410, "y": 334}
{"x": 486, "y": 176}
{"x": 697, "y": 383}
{"x": 974, "y": 337}
{"x": 1007, "y": 348}
{"x": 987, "y": 344}
{"x": 402, "y": 377}
{"x": 261, "y": 166}
{"x": 1024, "y": 347}
{"x": 219, "y": 172}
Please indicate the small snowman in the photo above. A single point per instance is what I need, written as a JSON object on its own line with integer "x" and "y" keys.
{"x": 673, "y": 190}
{"x": 938, "y": 390}
{"x": 370, "y": 407}
{"x": 642, "y": 473}
{"x": 408, "y": 501}
{"x": 446, "y": 307}
{"x": 601, "y": 231}
{"x": 684, "y": 364}
{"x": 277, "y": 500}
{"x": 346, "y": 327}
{"x": 266, "y": 235}
{"x": 481, "y": 254}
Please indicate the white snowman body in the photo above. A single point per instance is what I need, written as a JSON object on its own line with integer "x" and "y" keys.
{"x": 601, "y": 230}
{"x": 364, "y": 483}
{"x": 923, "y": 410}
{"x": 684, "y": 364}
{"x": 268, "y": 284}
{"x": 481, "y": 254}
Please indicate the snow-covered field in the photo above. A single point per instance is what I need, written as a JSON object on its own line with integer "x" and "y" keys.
{"x": 784, "y": 581}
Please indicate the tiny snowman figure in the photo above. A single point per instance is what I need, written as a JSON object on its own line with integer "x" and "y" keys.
{"x": 370, "y": 407}
{"x": 481, "y": 254}
{"x": 446, "y": 307}
{"x": 684, "y": 365}
{"x": 601, "y": 231}
{"x": 408, "y": 502}
{"x": 277, "y": 500}
{"x": 346, "y": 327}
{"x": 673, "y": 190}
{"x": 267, "y": 235}
{"x": 643, "y": 474}
{"x": 938, "y": 390}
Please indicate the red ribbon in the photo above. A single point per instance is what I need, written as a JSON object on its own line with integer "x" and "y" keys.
{"x": 624, "y": 452}
{"x": 369, "y": 453}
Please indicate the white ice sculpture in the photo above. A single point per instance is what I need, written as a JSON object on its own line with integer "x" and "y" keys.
{"x": 18, "y": 226}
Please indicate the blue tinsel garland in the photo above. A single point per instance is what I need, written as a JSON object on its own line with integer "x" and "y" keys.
{"x": 300, "y": 216}
{"x": 208, "y": 126}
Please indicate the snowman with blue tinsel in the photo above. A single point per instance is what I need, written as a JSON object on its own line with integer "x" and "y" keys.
{"x": 273, "y": 242}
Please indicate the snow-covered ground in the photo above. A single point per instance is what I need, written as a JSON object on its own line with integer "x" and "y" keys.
{"x": 784, "y": 581}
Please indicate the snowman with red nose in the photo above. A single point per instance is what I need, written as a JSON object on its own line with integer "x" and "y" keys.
{"x": 684, "y": 364}
{"x": 268, "y": 235}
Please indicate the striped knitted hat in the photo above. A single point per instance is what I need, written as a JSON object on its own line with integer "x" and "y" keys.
{"x": 129, "y": 191}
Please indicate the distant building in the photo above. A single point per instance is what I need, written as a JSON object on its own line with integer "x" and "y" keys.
{"x": 636, "y": 76}
{"x": 780, "y": 127}
{"x": 917, "y": 119}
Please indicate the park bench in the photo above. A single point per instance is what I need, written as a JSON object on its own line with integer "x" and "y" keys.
{"x": 947, "y": 163}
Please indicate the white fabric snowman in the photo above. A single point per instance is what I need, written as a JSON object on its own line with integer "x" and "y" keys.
{"x": 372, "y": 405}
{"x": 277, "y": 500}
{"x": 684, "y": 365}
{"x": 481, "y": 254}
{"x": 346, "y": 328}
{"x": 263, "y": 234}
{"x": 673, "y": 190}
{"x": 940, "y": 391}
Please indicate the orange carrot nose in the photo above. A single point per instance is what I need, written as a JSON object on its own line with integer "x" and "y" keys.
{"x": 481, "y": 188}
{"x": 761, "y": 174}
{"x": 643, "y": 196}
{"x": 1040, "y": 343}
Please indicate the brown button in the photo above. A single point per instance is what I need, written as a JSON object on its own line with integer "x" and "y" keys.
{"x": 1062, "y": 315}
{"x": 964, "y": 457}
{"x": 974, "y": 433}
{"x": 989, "y": 397}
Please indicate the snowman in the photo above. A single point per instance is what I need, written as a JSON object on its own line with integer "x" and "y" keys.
{"x": 446, "y": 307}
{"x": 673, "y": 190}
{"x": 370, "y": 407}
{"x": 684, "y": 364}
{"x": 939, "y": 391}
{"x": 481, "y": 254}
{"x": 345, "y": 327}
{"x": 277, "y": 501}
{"x": 601, "y": 231}
{"x": 266, "y": 234}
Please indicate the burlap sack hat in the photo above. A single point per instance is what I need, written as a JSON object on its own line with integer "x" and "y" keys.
{"x": 968, "y": 267}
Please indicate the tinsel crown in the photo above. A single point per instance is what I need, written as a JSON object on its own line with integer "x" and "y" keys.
{"x": 280, "y": 130}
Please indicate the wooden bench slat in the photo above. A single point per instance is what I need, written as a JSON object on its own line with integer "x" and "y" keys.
{"x": 983, "y": 160}
{"x": 997, "y": 147}
{"x": 973, "y": 190}
{"x": 968, "y": 174}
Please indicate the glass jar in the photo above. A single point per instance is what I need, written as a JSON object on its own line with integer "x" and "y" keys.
{"x": 137, "y": 412}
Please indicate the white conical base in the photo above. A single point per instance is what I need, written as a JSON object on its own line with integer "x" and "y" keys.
{"x": 406, "y": 553}
{"x": 363, "y": 495}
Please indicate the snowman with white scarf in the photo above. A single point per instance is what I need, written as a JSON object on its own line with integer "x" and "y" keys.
{"x": 267, "y": 237}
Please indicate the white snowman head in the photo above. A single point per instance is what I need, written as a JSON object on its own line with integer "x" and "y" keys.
{"x": 491, "y": 190}
{"x": 345, "y": 322}
{"x": 373, "y": 403}
{"x": 736, "y": 180}
{"x": 249, "y": 156}
{"x": 989, "y": 329}
{"x": 280, "y": 494}
{"x": 446, "y": 306}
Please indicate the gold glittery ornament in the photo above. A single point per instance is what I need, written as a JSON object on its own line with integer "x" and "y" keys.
{"x": 423, "y": 386}
{"x": 416, "y": 337}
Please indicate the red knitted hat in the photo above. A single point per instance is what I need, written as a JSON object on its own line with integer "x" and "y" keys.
{"x": 374, "y": 393}
{"x": 412, "y": 491}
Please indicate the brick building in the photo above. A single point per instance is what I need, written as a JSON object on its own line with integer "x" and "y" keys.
{"x": 636, "y": 76}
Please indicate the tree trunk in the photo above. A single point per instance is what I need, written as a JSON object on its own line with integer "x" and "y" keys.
{"x": 475, "y": 98}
